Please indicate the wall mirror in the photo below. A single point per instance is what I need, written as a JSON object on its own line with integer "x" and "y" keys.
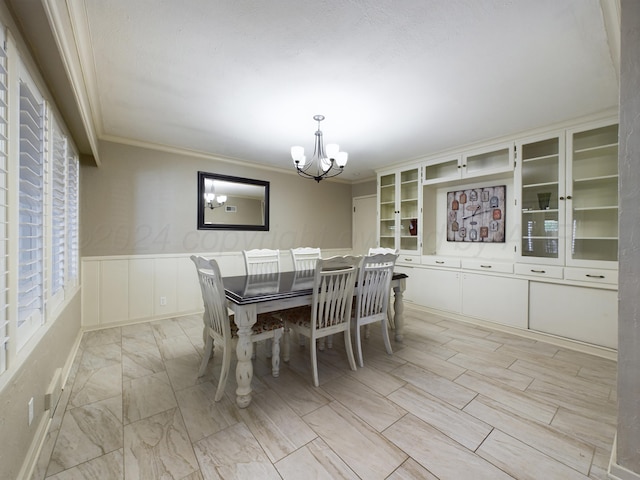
{"x": 232, "y": 203}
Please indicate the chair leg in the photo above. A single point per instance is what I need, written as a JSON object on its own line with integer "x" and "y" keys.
{"x": 385, "y": 337}
{"x": 224, "y": 371}
{"x": 359, "y": 345}
{"x": 275, "y": 352}
{"x": 314, "y": 362}
{"x": 206, "y": 355}
{"x": 347, "y": 342}
{"x": 286, "y": 343}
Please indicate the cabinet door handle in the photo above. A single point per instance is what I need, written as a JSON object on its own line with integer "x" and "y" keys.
{"x": 561, "y": 198}
{"x": 485, "y": 266}
{"x": 594, "y": 276}
{"x": 439, "y": 262}
{"x": 538, "y": 271}
{"x": 568, "y": 197}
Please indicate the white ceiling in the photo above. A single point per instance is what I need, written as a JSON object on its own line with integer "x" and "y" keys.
{"x": 395, "y": 79}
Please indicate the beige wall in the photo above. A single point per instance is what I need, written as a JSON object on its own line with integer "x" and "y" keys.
{"x": 365, "y": 188}
{"x": 32, "y": 380}
{"x": 143, "y": 201}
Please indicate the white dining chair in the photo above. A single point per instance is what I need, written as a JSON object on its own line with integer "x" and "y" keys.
{"x": 219, "y": 328}
{"x": 372, "y": 297}
{"x": 330, "y": 310}
{"x": 305, "y": 258}
{"x": 390, "y": 313}
{"x": 383, "y": 250}
{"x": 261, "y": 260}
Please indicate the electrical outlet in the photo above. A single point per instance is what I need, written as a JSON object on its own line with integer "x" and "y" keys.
{"x": 30, "y": 410}
{"x": 163, "y": 301}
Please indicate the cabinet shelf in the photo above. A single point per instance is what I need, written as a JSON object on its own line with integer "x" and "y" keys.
{"x": 541, "y": 157}
{"x": 592, "y": 209}
{"x": 540, "y": 237}
{"x": 537, "y": 185}
{"x": 595, "y": 238}
{"x": 597, "y": 148}
{"x": 532, "y": 211}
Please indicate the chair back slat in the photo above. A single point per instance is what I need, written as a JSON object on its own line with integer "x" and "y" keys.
{"x": 305, "y": 258}
{"x": 261, "y": 261}
{"x": 333, "y": 291}
{"x": 374, "y": 284}
{"x": 216, "y": 315}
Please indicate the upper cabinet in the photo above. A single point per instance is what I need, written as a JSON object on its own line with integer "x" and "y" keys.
{"x": 541, "y": 165}
{"x": 399, "y": 208}
{"x": 568, "y": 198}
{"x": 592, "y": 196}
{"x": 486, "y": 161}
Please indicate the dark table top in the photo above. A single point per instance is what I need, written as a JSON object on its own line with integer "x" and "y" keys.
{"x": 244, "y": 289}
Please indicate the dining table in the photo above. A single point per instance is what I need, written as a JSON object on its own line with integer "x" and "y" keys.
{"x": 249, "y": 295}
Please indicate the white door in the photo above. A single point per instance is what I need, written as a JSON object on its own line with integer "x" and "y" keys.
{"x": 364, "y": 224}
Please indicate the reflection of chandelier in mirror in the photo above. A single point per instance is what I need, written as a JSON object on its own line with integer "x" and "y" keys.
{"x": 211, "y": 200}
{"x": 329, "y": 162}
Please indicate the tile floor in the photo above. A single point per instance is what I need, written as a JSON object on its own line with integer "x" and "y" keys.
{"x": 454, "y": 401}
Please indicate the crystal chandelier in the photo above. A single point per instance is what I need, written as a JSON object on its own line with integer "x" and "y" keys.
{"x": 325, "y": 163}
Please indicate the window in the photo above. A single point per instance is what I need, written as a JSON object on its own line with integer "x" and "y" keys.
{"x": 30, "y": 210}
{"x": 58, "y": 211}
{"x": 4, "y": 194}
{"x": 73, "y": 182}
{"x": 39, "y": 192}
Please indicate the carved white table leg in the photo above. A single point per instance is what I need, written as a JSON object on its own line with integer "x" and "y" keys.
{"x": 245, "y": 318}
{"x": 398, "y": 307}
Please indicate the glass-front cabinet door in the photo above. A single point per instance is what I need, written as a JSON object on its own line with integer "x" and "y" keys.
{"x": 541, "y": 166}
{"x": 592, "y": 197}
{"x": 387, "y": 211}
{"x": 399, "y": 210}
{"x": 568, "y": 198}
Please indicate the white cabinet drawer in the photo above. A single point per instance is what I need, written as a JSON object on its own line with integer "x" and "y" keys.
{"x": 408, "y": 259}
{"x": 609, "y": 277}
{"x": 487, "y": 265}
{"x": 547, "y": 271}
{"x": 437, "y": 261}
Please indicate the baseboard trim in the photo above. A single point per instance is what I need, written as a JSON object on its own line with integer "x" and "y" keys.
{"x": 617, "y": 472}
{"x": 31, "y": 459}
{"x": 575, "y": 345}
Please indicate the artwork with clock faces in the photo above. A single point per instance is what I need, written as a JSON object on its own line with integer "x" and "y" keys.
{"x": 476, "y": 215}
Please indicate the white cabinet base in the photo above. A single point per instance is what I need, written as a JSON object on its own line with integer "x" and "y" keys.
{"x": 498, "y": 299}
{"x": 584, "y": 314}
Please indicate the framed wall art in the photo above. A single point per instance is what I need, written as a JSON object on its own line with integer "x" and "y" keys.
{"x": 476, "y": 215}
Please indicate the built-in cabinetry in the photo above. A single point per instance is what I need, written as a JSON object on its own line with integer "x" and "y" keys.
{"x": 399, "y": 211}
{"x": 556, "y": 272}
{"x": 484, "y": 161}
{"x": 568, "y": 199}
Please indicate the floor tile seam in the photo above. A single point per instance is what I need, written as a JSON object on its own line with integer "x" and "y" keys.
{"x": 550, "y": 458}
{"x": 532, "y": 423}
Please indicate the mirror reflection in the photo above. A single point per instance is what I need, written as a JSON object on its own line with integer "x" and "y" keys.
{"x": 232, "y": 203}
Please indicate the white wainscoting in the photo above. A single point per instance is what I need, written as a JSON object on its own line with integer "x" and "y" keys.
{"x": 117, "y": 290}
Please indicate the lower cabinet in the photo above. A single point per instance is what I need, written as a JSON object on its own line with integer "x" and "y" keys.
{"x": 497, "y": 299}
{"x": 579, "y": 313}
{"x": 433, "y": 288}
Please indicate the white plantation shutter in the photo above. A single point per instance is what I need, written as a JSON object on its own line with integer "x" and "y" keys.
{"x": 58, "y": 209}
{"x": 30, "y": 211}
{"x": 4, "y": 269}
{"x": 73, "y": 181}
